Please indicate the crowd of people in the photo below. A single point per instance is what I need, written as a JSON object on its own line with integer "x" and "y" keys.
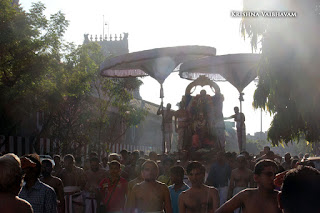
{"x": 132, "y": 182}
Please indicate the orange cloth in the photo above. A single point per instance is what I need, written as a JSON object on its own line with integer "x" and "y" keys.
{"x": 279, "y": 179}
{"x": 25, "y": 163}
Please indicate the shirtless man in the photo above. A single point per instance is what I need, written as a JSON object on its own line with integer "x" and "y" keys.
{"x": 149, "y": 195}
{"x": 262, "y": 199}
{"x": 139, "y": 179}
{"x": 73, "y": 179}
{"x": 239, "y": 118}
{"x": 199, "y": 198}
{"x": 57, "y": 166}
{"x": 241, "y": 178}
{"x": 167, "y": 124}
{"x": 11, "y": 178}
{"x": 93, "y": 177}
{"x": 181, "y": 124}
{"x": 54, "y": 182}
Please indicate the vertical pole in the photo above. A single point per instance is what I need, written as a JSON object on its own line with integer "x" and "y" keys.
{"x": 162, "y": 113}
{"x": 102, "y": 27}
{"x": 261, "y": 126}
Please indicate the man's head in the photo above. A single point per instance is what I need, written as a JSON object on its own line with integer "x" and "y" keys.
{"x": 266, "y": 149}
{"x": 270, "y": 155}
{"x": 93, "y": 154}
{"x": 153, "y": 156}
{"x": 220, "y": 157}
{"x": 236, "y": 109}
{"x": 114, "y": 169}
{"x": 264, "y": 173}
{"x": 94, "y": 164}
{"x": 168, "y": 106}
{"x": 196, "y": 173}
{"x": 241, "y": 160}
{"x": 125, "y": 155}
{"x": 245, "y": 154}
{"x": 32, "y": 173}
{"x": 176, "y": 174}
{"x": 287, "y": 157}
{"x": 149, "y": 170}
{"x": 167, "y": 164}
{"x": 11, "y": 175}
{"x": 114, "y": 156}
{"x": 138, "y": 166}
{"x": 203, "y": 92}
{"x": 294, "y": 163}
{"x": 46, "y": 168}
{"x": 134, "y": 156}
{"x": 69, "y": 162}
{"x": 57, "y": 160}
{"x": 300, "y": 191}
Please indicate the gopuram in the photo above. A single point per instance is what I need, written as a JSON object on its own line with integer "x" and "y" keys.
{"x": 199, "y": 121}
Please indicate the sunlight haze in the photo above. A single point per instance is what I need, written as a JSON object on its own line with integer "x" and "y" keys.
{"x": 155, "y": 24}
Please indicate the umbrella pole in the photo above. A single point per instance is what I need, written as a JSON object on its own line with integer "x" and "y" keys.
{"x": 241, "y": 99}
{"x": 162, "y": 113}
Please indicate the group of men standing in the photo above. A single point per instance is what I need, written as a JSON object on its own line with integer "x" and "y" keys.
{"x": 196, "y": 135}
{"x": 110, "y": 188}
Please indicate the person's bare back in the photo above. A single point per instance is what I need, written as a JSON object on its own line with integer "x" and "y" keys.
{"x": 13, "y": 204}
{"x": 200, "y": 200}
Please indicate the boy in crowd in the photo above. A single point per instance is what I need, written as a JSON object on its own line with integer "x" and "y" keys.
{"x": 176, "y": 176}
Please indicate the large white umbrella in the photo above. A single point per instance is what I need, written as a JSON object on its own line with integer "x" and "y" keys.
{"x": 158, "y": 63}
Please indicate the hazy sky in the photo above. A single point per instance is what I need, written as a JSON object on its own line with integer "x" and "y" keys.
{"x": 154, "y": 24}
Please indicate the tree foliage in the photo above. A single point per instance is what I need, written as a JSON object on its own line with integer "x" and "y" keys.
{"x": 289, "y": 69}
{"x": 40, "y": 72}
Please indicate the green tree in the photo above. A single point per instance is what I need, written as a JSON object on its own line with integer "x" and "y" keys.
{"x": 93, "y": 108}
{"x": 289, "y": 69}
{"x": 40, "y": 72}
{"x": 29, "y": 56}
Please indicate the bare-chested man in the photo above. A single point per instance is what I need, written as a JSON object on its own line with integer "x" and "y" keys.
{"x": 54, "y": 182}
{"x": 139, "y": 179}
{"x": 73, "y": 179}
{"x": 93, "y": 178}
{"x": 182, "y": 124}
{"x": 11, "y": 179}
{"x": 262, "y": 199}
{"x": 167, "y": 124}
{"x": 57, "y": 166}
{"x": 149, "y": 195}
{"x": 199, "y": 198}
{"x": 241, "y": 178}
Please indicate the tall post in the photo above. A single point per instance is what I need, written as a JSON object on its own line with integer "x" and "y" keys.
{"x": 162, "y": 113}
{"x": 103, "y": 27}
{"x": 241, "y": 99}
{"x": 261, "y": 121}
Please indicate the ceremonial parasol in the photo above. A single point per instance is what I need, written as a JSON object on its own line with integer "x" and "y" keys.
{"x": 238, "y": 69}
{"x": 158, "y": 63}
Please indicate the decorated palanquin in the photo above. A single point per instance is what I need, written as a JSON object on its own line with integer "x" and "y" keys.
{"x": 206, "y": 128}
